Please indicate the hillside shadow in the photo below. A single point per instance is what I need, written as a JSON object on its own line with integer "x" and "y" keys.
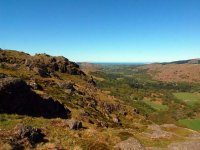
{"x": 16, "y": 97}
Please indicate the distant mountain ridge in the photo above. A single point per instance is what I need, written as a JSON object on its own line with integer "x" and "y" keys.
{"x": 176, "y": 71}
{"x": 189, "y": 61}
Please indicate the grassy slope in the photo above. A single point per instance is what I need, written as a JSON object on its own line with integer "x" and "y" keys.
{"x": 189, "y": 98}
{"x": 158, "y": 107}
{"x": 191, "y": 123}
{"x": 133, "y": 125}
{"x": 61, "y": 135}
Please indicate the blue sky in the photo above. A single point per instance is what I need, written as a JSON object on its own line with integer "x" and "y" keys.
{"x": 103, "y": 30}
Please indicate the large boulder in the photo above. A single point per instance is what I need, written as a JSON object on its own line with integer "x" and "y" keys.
{"x": 34, "y": 85}
{"x": 67, "y": 86}
{"x": 42, "y": 71}
{"x": 74, "y": 124}
{"x": 91, "y": 81}
{"x": 129, "y": 144}
{"x": 117, "y": 121}
{"x": 17, "y": 97}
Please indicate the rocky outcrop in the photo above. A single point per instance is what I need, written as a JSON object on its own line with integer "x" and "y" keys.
{"x": 41, "y": 70}
{"x": 17, "y": 97}
{"x": 129, "y": 144}
{"x": 110, "y": 107}
{"x": 34, "y": 135}
{"x": 6, "y": 57}
{"x": 91, "y": 81}
{"x": 34, "y": 85}
{"x": 25, "y": 137}
{"x": 67, "y": 86}
{"x": 42, "y": 64}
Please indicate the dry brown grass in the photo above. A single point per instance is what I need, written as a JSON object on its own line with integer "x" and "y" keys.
{"x": 174, "y": 72}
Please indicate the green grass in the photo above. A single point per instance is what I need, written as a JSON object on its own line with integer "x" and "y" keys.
{"x": 190, "y": 123}
{"x": 155, "y": 106}
{"x": 124, "y": 135}
{"x": 189, "y": 98}
{"x": 9, "y": 121}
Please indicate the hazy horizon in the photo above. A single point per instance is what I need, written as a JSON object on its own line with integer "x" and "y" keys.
{"x": 103, "y": 31}
{"x": 104, "y": 62}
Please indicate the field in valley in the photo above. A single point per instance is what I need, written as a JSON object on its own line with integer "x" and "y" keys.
{"x": 161, "y": 101}
{"x": 189, "y": 98}
{"x": 191, "y": 123}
